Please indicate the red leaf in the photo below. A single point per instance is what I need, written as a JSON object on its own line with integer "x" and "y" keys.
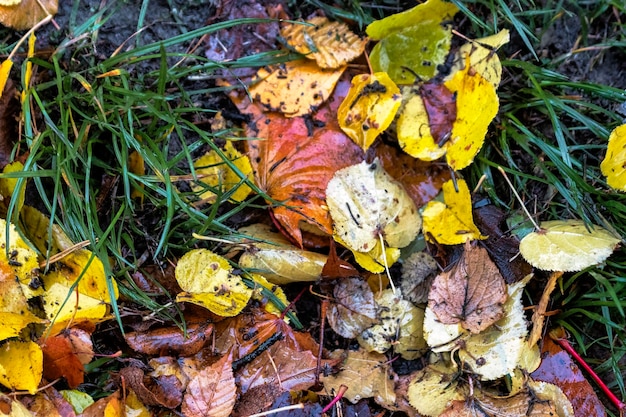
{"x": 440, "y": 105}
{"x": 60, "y": 360}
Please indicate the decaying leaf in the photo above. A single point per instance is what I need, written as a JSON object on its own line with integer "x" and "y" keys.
{"x": 330, "y": 44}
{"x": 25, "y": 14}
{"x": 207, "y": 280}
{"x": 434, "y": 388}
{"x": 160, "y": 388}
{"x": 421, "y": 30}
{"x": 213, "y": 172}
{"x": 353, "y": 308}
{"x": 21, "y": 365}
{"x": 367, "y": 204}
{"x": 295, "y": 88}
{"x": 170, "y": 340}
{"x": 472, "y": 292}
{"x": 369, "y": 108}
{"x": 257, "y": 294}
{"x": 451, "y": 223}
{"x": 212, "y": 392}
{"x": 418, "y": 273}
{"x": 567, "y": 245}
{"x": 21, "y": 260}
{"x": 612, "y": 165}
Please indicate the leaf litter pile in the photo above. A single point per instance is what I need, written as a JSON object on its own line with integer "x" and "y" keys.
{"x": 368, "y": 215}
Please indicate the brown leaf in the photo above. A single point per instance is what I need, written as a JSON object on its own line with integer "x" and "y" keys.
{"x": 440, "y": 104}
{"x": 335, "y": 267}
{"x": 165, "y": 391}
{"x": 111, "y": 406}
{"x": 212, "y": 392}
{"x": 27, "y": 13}
{"x": 471, "y": 292}
{"x": 520, "y": 405}
{"x": 353, "y": 308}
{"x": 170, "y": 340}
{"x": 558, "y": 368}
{"x": 61, "y": 360}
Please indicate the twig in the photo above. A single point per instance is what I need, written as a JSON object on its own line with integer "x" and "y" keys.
{"x": 342, "y": 390}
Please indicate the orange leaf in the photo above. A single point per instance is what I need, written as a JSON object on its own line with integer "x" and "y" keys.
{"x": 212, "y": 392}
{"x": 61, "y": 360}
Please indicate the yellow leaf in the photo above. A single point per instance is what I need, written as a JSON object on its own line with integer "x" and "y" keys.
{"x": 64, "y": 311}
{"x": 21, "y": 365}
{"x": 374, "y": 260}
{"x": 369, "y": 107}
{"x": 283, "y": 264}
{"x": 5, "y": 70}
{"x": 614, "y": 164}
{"x": 429, "y": 10}
{"x": 8, "y": 189}
{"x": 295, "y": 88}
{"x": 49, "y": 240}
{"x": 137, "y": 166}
{"x": 28, "y": 73}
{"x": 330, "y": 44}
{"x": 269, "y": 306}
{"x": 451, "y": 223}
{"x": 214, "y": 172}
{"x": 567, "y": 245}
{"x": 20, "y": 410}
{"x": 206, "y": 280}
{"x": 434, "y": 387}
{"x": 482, "y": 56}
{"x": 133, "y": 407}
{"x": 21, "y": 258}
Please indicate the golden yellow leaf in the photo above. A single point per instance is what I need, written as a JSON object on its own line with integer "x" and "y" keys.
{"x": 22, "y": 260}
{"x": 330, "y": 44}
{"x": 207, "y": 280}
{"x": 8, "y": 188}
{"x": 374, "y": 260}
{"x": 64, "y": 311}
{"x": 133, "y": 407}
{"x": 483, "y": 57}
{"x": 136, "y": 166}
{"x": 5, "y": 70}
{"x": 26, "y": 13}
{"x": 451, "y": 223}
{"x": 369, "y": 107}
{"x": 567, "y": 245}
{"x": 215, "y": 173}
{"x": 613, "y": 165}
{"x": 21, "y": 365}
{"x": 269, "y": 306}
{"x": 49, "y": 240}
{"x": 295, "y": 88}
{"x": 28, "y": 72}
{"x": 434, "y": 388}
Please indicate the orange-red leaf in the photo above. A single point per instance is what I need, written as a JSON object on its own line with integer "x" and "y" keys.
{"x": 60, "y": 360}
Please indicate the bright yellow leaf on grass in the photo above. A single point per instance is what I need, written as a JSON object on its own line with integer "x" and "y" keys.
{"x": 5, "y": 70}
{"x": 8, "y": 189}
{"x": 614, "y": 164}
{"x": 483, "y": 57}
{"x": 207, "y": 280}
{"x": 369, "y": 107}
{"x": 452, "y": 222}
{"x": 213, "y": 171}
{"x": 21, "y": 365}
{"x": 330, "y": 44}
{"x": 28, "y": 73}
{"x": 295, "y": 88}
{"x": 64, "y": 311}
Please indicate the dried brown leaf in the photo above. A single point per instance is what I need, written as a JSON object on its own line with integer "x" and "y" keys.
{"x": 212, "y": 392}
{"x": 472, "y": 292}
{"x": 164, "y": 391}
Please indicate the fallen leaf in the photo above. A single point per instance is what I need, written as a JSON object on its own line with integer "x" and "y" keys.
{"x": 14, "y": 408}
{"x": 366, "y": 204}
{"x": 25, "y": 14}
{"x": 9, "y": 191}
{"x": 330, "y": 44}
{"x": 472, "y": 292}
{"x": 567, "y": 245}
{"x": 352, "y": 309}
{"x": 295, "y": 88}
{"x": 482, "y": 56}
{"x": 257, "y": 294}
{"x": 21, "y": 365}
{"x": 157, "y": 390}
{"x": 134, "y": 407}
{"x": 61, "y": 360}
{"x": 78, "y": 400}
{"x": 170, "y": 340}
{"x": 434, "y": 388}
{"x": 369, "y": 108}
{"x": 110, "y": 406}
{"x": 335, "y": 267}
{"x": 418, "y": 273}
{"x": 212, "y": 392}
{"x": 207, "y": 280}
{"x": 9, "y": 109}
{"x": 612, "y": 165}
{"x": 451, "y": 223}
{"x": 214, "y": 173}
{"x": 423, "y": 30}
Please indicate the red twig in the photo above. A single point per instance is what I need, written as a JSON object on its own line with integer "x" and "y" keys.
{"x": 557, "y": 336}
{"x": 342, "y": 390}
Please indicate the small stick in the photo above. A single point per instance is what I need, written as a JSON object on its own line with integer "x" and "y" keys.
{"x": 540, "y": 311}
{"x": 298, "y": 406}
{"x": 519, "y": 199}
{"x": 342, "y": 390}
{"x": 558, "y": 336}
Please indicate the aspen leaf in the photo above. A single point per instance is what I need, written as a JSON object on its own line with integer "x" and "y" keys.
{"x": 369, "y": 107}
{"x": 567, "y": 245}
{"x": 216, "y": 174}
{"x": 330, "y": 44}
{"x": 207, "y": 280}
{"x": 434, "y": 388}
{"x": 613, "y": 165}
{"x": 482, "y": 56}
{"x": 21, "y": 259}
{"x": 25, "y": 14}
{"x": 472, "y": 292}
{"x": 452, "y": 222}
{"x": 64, "y": 311}
{"x": 365, "y": 203}
{"x": 21, "y": 365}
{"x": 295, "y": 88}
{"x": 420, "y": 30}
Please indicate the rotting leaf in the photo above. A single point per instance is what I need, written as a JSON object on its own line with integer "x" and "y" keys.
{"x": 160, "y": 390}
{"x": 330, "y": 44}
{"x": 612, "y": 165}
{"x": 212, "y": 392}
{"x": 472, "y": 292}
{"x": 567, "y": 245}
{"x": 369, "y": 108}
{"x": 418, "y": 273}
{"x": 353, "y": 308}
{"x": 451, "y": 223}
{"x": 482, "y": 56}
{"x": 170, "y": 340}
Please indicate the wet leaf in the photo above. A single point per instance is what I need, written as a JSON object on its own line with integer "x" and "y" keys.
{"x": 421, "y": 30}
{"x": 257, "y": 294}
{"x": 207, "y": 280}
{"x": 451, "y": 223}
{"x": 170, "y": 340}
{"x": 482, "y": 56}
{"x": 21, "y": 365}
{"x": 77, "y": 399}
{"x": 214, "y": 173}
{"x": 163, "y": 390}
{"x": 434, "y": 388}
{"x": 369, "y": 108}
{"x": 612, "y": 165}
{"x": 567, "y": 245}
{"x": 21, "y": 260}
{"x": 472, "y": 292}
{"x": 366, "y": 204}
{"x": 295, "y": 88}
{"x": 65, "y": 307}
{"x": 212, "y": 392}
{"x": 5, "y": 71}
{"x": 330, "y": 44}
{"x": 134, "y": 407}
{"x": 61, "y": 360}
{"x": 111, "y": 406}
{"x": 25, "y": 14}
{"x": 418, "y": 273}
{"x": 353, "y": 308}
{"x": 8, "y": 189}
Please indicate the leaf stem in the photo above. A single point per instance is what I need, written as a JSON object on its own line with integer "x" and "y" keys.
{"x": 519, "y": 199}
{"x": 342, "y": 390}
